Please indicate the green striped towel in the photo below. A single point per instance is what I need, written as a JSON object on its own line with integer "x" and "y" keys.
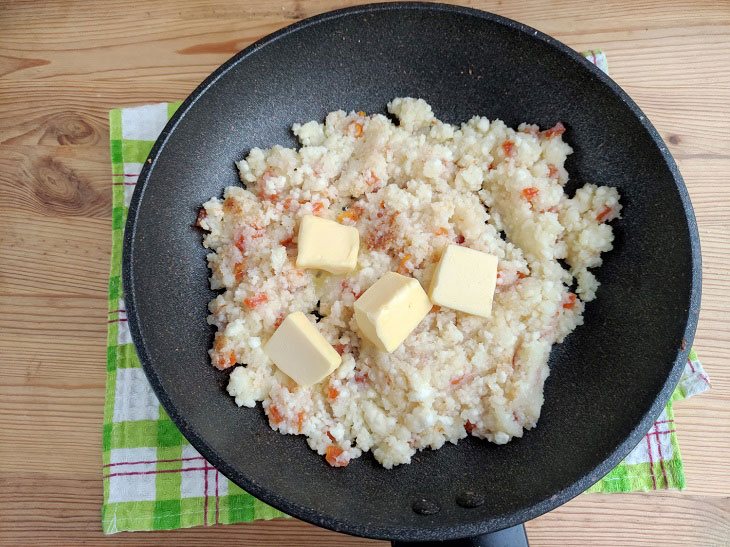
{"x": 155, "y": 480}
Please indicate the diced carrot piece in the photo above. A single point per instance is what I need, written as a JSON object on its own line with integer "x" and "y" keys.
{"x": 355, "y": 129}
{"x": 508, "y": 147}
{"x": 332, "y": 393}
{"x": 278, "y": 321}
{"x": 361, "y": 377}
{"x": 557, "y": 129}
{"x": 530, "y": 193}
{"x": 521, "y": 275}
{"x": 353, "y": 213}
{"x": 317, "y": 207}
{"x": 361, "y": 113}
{"x": 552, "y": 171}
{"x": 603, "y": 214}
{"x": 491, "y": 166}
{"x": 441, "y": 232}
{"x": 240, "y": 244}
{"x": 339, "y": 348}
{"x": 256, "y": 300}
{"x": 469, "y": 427}
{"x": 330, "y": 436}
{"x": 286, "y": 242}
{"x": 455, "y": 381}
{"x": 402, "y": 269}
{"x": 300, "y": 421}
{"x": 570, "y": 302}
{"x": 225, "y": 360}
{"x": 334, "y": 458}
{"x": 274, "y": 415}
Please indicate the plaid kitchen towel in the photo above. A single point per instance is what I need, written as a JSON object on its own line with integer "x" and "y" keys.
{"x": 155, "y": 480}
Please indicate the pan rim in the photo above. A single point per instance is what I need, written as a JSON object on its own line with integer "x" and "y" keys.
{"x": 441, "y": 532}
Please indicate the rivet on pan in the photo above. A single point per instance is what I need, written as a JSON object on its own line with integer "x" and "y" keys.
{"x": 470, "y": 499}
{"x": 425, "y": 506}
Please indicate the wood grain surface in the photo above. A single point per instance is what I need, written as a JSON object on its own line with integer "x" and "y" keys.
{"x": 64, "y": 64}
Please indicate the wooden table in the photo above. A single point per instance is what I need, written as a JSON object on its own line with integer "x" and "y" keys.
{"x": 64, "y": 64}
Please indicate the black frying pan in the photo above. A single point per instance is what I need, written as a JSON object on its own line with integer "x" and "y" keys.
{"x": 609, "y": 379}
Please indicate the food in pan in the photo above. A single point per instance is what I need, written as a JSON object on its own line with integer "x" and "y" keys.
{"x": 477, "y": 258}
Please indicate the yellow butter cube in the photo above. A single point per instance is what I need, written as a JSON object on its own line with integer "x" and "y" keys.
{"x": 327, "y": 245}
{"x": 301, "y": 352}
{"x": 390, "y": 309}
{"x": 465, "y": 280}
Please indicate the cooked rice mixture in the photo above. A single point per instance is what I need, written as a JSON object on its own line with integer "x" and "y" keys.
{"x": 410, "y": 189}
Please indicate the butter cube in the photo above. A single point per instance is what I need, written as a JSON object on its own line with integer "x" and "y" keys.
{"x": 301, "y": 352}
{"x": 465, "y": 280}
{"x": 390, "y": 309}
{"x": 327, "y": 245}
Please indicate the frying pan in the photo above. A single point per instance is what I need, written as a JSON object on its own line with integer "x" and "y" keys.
{"x": 608, "y": 380}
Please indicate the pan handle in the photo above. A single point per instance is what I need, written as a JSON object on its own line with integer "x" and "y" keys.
{"x": 509, "y": 537}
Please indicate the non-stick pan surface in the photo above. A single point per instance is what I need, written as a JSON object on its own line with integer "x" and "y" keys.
{"x": 608, "y": 380}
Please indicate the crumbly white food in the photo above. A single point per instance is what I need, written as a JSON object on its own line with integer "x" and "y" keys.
{"x": 410, "y": 189}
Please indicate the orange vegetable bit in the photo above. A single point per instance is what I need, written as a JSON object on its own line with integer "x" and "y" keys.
{"x": 509, "y": 148}
{"x": 441, "y": 232}
{"x": 355, "y": 129}
{"x": 603, "y": 214}
{"x": 317, "y": 207}
{"x": 552, "y": 171}
{"x": 361, "y": 377}
{"x": 334, "y": 456}
{"x": 256, "y": 300}
{"x": 570, "y": 302}
{"x": 274, "y": 415}
{"x": 554, "y": 131}
{"x": 239, "y": 270}
{"x": 353, "y": 213}
{"x": 402, "y": 269}
{"x": 286, "y": 242}
{"x": 361, "y": 113}
{"x": 300, "y": 421}
{"x": 469, "y": 427}
{"x": 455, "y": 381}
{"x": 491, "y": 166}
{"x": 521, "y": 275}
{"x": 339, "y": 348}
{"x": 332, "y": 393}
{"x": 530, "y": 193}
{"x": 241, "y": 244}
{"x": 225, "y": 359}
{"x": 278, "y": 321}
{"x": 330, "y": 436}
